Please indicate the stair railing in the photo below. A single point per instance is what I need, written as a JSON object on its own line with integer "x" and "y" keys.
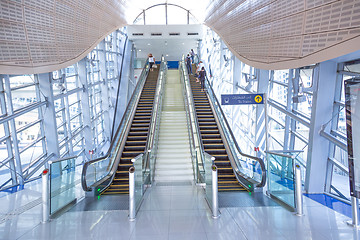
{"x": 153, "y": 135}
{"x": 196, "y": 145}
{"x": 249, "y": 170}
{"x": 98, "y": 173}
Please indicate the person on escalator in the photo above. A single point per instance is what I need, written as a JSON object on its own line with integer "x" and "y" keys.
{"x": 188, "y": 64}
{"x": 192, "y": 55}
{"x": 198, "y": 68}
{"x": 151, "y": 61}
{"x": 202, "y": 76}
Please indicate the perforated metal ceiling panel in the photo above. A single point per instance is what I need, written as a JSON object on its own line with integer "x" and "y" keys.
{"x": 45, "y": 35}
{"x": 284, "y": 34}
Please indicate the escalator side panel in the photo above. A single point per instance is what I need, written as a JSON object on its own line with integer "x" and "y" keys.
{"x": 212, "y": 140}
{"x": 137, "y": 137}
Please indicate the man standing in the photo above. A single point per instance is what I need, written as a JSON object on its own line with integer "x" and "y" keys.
{"x": 188, "y": 64}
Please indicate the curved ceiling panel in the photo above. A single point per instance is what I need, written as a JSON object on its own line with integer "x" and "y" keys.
{"x": 285, "y": 34}
{"x": 45, "y": 35}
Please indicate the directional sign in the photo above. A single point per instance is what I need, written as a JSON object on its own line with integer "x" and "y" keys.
{"x": 239, "y": 99}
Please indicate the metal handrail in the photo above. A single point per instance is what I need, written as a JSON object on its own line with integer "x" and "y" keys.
{"x": 188, "y": 122}
{"x": 259, "y": 160}
{"x": 154, "y": 113}
{"x": 198, "y": 133}
{"x": 85, "y": 167}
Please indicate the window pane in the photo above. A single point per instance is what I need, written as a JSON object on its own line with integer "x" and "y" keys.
{"x": 28, "y": 135}
{"x": 305, "y": 103}
{"x": 281, "y": 76}
{"x": 23, "y": 97}
{"x": 342, "y": 121}
{"x": 176, "y": 15}
{"x": 352, "y": 67}
{"x": 31, "y": 154}
{"x": 306, "y": 77}
{"x": 16, "y": 81}
{"x": 340, "y": 180}
{"x": 155, "y": 15}
{"x": 279, "y": 93}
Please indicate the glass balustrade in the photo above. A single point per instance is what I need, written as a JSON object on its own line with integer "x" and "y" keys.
{"x": 64, "y": 180}
{"x": 281, "y": 177}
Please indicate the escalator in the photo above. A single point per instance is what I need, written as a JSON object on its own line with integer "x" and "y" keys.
{"x": 109, "y": 174}
{"x": 137, "y": 137}
{"x": 212, "y": 140}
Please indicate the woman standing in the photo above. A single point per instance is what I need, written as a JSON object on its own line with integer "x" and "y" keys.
{"x": 202, "y": 75}
{"x": 151, "y": 61}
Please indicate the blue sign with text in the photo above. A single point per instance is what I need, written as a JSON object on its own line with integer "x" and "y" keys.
{"x": 239, "y": 99}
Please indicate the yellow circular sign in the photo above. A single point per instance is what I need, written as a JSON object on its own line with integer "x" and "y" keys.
{"x": 258, "y": 98}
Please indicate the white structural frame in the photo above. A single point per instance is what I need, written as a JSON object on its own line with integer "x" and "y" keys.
{"x": 74, "y": 110}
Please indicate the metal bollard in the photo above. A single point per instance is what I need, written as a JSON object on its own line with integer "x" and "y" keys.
{"x": 215, "y": 199}
{"x": 45, "y": 196}
{"x": 298, "y": 191}
{"x": 132, "y": 210}
{"x": 355, "y": 213}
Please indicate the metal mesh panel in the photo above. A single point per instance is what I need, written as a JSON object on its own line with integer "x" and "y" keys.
{"x": 41, "y": 35}
{"x": 286, "y": 33}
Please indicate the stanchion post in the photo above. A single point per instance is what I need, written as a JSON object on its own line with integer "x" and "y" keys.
{"x": 45, "y": 196}
{"x": 298, "y": 191}
{"x": 132, "y": 211}
{"x": 215, "y": 199}
{"x": 355, "y": 213}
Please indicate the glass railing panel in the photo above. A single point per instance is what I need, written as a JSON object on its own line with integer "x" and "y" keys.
{"x": 281, "y": 177}
{"x": 139, "y": 62}
{"x": 208, "y": 164}
{"x": 152, "y": 146}
{"x": 139, "y": 179}
{"x": 192, "y": 124}
{"x": 97, "y": 169}
{"x": 63, "y": 181}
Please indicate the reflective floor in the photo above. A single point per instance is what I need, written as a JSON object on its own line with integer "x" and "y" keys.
{"x": 170, "y": 212}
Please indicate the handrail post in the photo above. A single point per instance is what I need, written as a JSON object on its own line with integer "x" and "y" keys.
{"x": 215, "y": 199}
{"x": 132, "y": 211}
{"x": 298, "y": 191}
{"x": 355, "y": 213}
{"x": 45, "y": 196}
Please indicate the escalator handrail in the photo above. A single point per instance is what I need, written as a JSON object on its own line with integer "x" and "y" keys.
{"x": 152, "y": 128}
{"x": 202, "y": 152}
{"x": 86, "y": 164}
{"x": 261, "y": 162}
{"x": 118, "y": 90}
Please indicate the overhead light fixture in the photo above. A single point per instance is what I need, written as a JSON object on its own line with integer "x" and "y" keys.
{"x": 149, "y": 44}
{"x": 183, "y": 43}
{"x": 139, "y": 50}
{"x": 167, "y": 55}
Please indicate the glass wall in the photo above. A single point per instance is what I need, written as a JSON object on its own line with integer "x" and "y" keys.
{"x": 29, "y": 105}
{"x": 163, "y": 14}
{"x": 289, "y": 104}
{"x": 338, "y": 172}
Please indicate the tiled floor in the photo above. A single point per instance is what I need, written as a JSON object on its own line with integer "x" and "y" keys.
{"x": 175, "y": 212}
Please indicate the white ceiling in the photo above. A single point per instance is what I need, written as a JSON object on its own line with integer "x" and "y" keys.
{"x": 45, "y": 35}
{"x": 172, "y": 47}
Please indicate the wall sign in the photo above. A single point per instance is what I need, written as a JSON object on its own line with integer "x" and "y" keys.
{"x": 240, "y": 99}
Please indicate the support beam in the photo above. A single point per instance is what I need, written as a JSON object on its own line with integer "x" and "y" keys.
{"x": 85, "y": 107}
{"x": 260, "y": 131}
{"x": 51, "y": 135}
{"x": 323, "y": 100}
